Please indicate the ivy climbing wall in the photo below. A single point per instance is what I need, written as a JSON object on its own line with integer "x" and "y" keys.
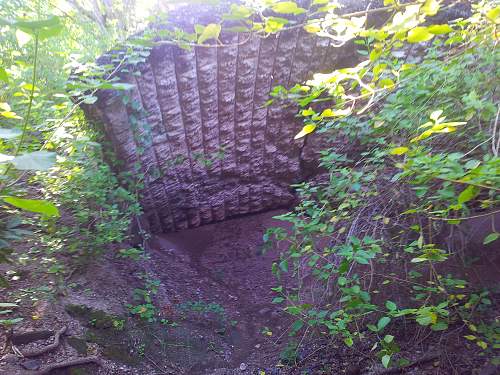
{"x": 196, "y": 126}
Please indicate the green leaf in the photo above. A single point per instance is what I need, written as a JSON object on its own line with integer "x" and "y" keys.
{"x": 399, "y": 150}
{"x": 470, "y": 192}
{"x": 385, "y": 360}
{"x": 3, "y": 75}
{"x": 391, "y": 306}
{"x": 388, "y": 338}
{"x": 439, "y": 326}
{"x": 9, "y": 133}
{"x": 296, "y": 326}
{"x": 287, "y": 7}
{"x": 44, "y": 29}
{"x": 348, "y": 341}
{"x": 491, "y": 237}
{"x": 34, "y": 205}
{"x": 211, "y": 31}
{"x": 419, "y": 34}
{"x": 284, "y": 265}
{"x": 38, "y": 161}
{"x": 382, "y": 323}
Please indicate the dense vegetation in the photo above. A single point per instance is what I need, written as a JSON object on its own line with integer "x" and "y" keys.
{"x": 424, "y": 122}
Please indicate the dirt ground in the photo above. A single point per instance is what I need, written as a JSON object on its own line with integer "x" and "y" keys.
{"x": 214, "y": 315}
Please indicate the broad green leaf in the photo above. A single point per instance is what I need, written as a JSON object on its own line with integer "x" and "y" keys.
{"x": 38, "y": 161}
{"x": 34, "y": 205}
{"x": 491, "y": 237}
{"x": 44, "y": 29}
{"x": 9, "y": 133}
{"x": 307, "y": 129}
{"x": 287, "y": 7}
{"x": 431, "y": 7}
{"x": 211, "y": 31}
{"x": 388, "y": 338}
{"x": 382, "y": 323}
{"x": 419, "y": 34}
{"x": 385, "y": 360}
{"x": 470, "y": 192}
{"x": 399, "y": 150}
{"x": 440, "y": 29}
{"x": 3, "y": 75}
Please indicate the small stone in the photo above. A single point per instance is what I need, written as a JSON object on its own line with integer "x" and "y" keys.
{"x": 243, "y": 367}
{"x": 31, "y": 364}
{"x": 264, "y": 311}
{"x": 9, "y": 358}
{"x": 257, "y": 346}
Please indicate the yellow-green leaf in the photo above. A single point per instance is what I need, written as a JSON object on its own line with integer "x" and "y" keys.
{"x": 469, "y": 193}
{"x": 399, "y": 150}
{"x": 440, "y": 29}
{"x": 431, "y": 7}
{"x": 305, "y": 130}
{"x": 494, "y": 14}
{"x": 287, "y": 7}
{"x": 211, "y": 31}
{"x": 9, "y": 114}
{"x": 3, "y": 75}
{"x": 33, "y": 205}
{"x": 419, "y": 34}
{"x": 436, "y": 114}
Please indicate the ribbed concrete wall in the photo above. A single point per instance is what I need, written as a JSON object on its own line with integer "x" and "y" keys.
{"x": 209, "y": 104}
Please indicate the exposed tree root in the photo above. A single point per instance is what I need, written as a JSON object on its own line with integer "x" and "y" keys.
{"x": 46, "y": 349}
{"x": 68, "y": 363}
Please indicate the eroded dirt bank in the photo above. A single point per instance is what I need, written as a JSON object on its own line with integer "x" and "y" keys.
{"x": 212, "y": 306}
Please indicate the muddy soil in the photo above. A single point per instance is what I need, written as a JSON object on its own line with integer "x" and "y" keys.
{"x": 227, "y": 272}
{"x": 213, "y": 308}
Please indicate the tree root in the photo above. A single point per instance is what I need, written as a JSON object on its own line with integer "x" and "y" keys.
{"x": 46, "y": 349}
{"x": 68, "y": 363}
{"x": 397, "y": 370}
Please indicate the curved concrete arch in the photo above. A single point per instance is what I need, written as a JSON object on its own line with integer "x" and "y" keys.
{"x": 205, "y": 140}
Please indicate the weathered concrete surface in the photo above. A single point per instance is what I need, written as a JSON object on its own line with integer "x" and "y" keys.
{"x": 200, "y": 131}
{"x": 197, "y": 127}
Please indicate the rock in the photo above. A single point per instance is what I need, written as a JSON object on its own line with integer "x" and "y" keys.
{"x": 77, "y": 343}
{"x": 490, "y": 369}
{"x": 243, "y": 366}
{"x": 31, "y": 364}
{"x": 91, "y": 317}
{"x": 24, "y": 338}
{"x": 9, "y": 358}
{"x": 264, "y": 311}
